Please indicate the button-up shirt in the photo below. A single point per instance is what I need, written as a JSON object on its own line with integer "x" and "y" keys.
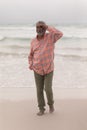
{"x": 41, "y": 56}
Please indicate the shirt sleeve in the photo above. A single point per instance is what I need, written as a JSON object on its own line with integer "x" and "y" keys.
{"x": 54, "y": 34}
{"x": 30, "y": 56}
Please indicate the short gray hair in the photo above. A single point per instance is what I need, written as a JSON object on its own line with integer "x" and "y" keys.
{"x": 41, "y": 22}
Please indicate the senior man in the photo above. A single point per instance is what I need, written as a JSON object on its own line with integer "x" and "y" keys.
{"x": 41, "y": 61}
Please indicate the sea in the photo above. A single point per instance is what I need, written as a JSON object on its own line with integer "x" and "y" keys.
{"x": 70, "y": 60}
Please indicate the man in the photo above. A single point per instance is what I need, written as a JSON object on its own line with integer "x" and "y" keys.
{"x": 41, "y": 62}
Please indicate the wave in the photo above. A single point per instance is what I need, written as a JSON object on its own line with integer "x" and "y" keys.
{"x": 25, "y": 54}
{"x": 2, "y": 38}
{"x": 27, "y": 45}
{"x": 76, "y": 48}
{"x": 30, "y": 38}
{"x": 14, "y": 38}
{"x": 74, "y": 57}
{"x": 74, "y": 37}
{"x": 16, "y": 28}
{"x": 16, "y": 46}
{"x": 14, "y": 54}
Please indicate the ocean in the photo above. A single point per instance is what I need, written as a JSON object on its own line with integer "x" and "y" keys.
{"x": 70, "y": 56}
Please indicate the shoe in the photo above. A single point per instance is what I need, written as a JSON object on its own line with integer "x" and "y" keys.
{"x": 51, "y": 109}
{"x": 40, "y": 113}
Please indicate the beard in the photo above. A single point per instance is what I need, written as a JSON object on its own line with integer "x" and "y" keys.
{"x": 41, "y": 32}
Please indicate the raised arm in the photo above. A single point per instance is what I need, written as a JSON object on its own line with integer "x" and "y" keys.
{"x": 54, "y": 34}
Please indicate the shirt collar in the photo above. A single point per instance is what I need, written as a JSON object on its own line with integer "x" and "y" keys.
{"x": 41, "y": 39}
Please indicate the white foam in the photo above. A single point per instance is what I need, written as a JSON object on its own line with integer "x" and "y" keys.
{"x": 1, "y": 38}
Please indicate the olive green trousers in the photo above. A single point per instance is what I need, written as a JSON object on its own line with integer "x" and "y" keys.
{"x": 44, "y": 82}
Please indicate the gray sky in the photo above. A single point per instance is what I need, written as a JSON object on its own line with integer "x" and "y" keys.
{"x": 52, "y": 11}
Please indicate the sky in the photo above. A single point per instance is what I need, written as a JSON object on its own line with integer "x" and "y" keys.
{"x": 52, "y": 11}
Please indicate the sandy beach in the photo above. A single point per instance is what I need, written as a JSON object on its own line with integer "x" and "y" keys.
{"x": 18, "y": 99}
{"x": 18, "y": 108}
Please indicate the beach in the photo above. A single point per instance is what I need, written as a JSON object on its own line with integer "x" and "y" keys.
{"x": 70, "y": 56}
{"x": 18, "y": 108}
{"x": 18, "y": 102}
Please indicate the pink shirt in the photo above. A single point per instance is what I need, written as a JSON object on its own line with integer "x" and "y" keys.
{"x": 42, "y": 52}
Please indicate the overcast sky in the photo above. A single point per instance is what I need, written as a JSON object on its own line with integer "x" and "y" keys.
{"x": 52, "y": 11}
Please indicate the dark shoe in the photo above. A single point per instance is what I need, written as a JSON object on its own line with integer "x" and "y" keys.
{"x": 40, "y": 113}
{"x": 51, "y": 109}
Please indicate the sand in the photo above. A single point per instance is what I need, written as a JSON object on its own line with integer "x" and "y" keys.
{"x": 18, "y": 108}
